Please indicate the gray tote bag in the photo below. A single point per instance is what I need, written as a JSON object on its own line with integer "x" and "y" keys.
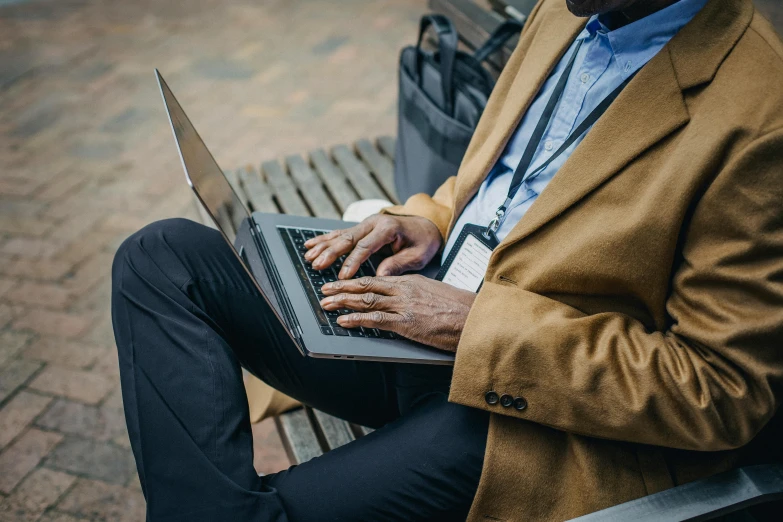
{"x": 442, "y": 95}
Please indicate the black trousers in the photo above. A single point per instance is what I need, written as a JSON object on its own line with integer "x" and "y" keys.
{"x": 186, "y": 316}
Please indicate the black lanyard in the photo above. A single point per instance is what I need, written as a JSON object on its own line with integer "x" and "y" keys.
{"x": 535, "y": 139}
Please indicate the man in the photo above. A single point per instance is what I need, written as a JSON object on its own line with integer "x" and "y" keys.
{"x": 628, "y": 336}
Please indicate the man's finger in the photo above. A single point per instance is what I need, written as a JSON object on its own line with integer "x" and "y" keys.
{"x": 363, "y": 285}
{"x": 320, "y": 238}
{"x": 381, "y": 320}
{"x": 402, "y": 261}
{"x": 364, "y": 248}
{"x": 320, "y": 243}
{"x": 360, "y": 302}
{"x": 334, "y": 248}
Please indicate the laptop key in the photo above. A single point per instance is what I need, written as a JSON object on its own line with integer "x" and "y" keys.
{"x": 342, "y": 332}
{"x": 372, "y": 332}
{"x": 326, "y": 330}
{"x": 357, "y": 332}
{"x": 385, "y": 334}
{"x": 308, "y": 234}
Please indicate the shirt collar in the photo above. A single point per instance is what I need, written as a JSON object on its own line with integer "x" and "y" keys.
{"x": 635, "y": 44}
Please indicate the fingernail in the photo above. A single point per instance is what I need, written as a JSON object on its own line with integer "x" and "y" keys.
{"x": 325, "y": 301}
{"x": 343, "y": 273}
{"x": 308, "y": 254}
{"x": 327, "y": 286}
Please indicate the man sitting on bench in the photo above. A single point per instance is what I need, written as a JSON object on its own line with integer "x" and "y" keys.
{"x": 628, "y": 335}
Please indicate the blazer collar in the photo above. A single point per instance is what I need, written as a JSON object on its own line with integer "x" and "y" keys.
{"x": 650, "y": 108}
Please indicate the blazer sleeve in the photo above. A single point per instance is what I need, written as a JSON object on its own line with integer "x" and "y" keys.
{"x": 710, "y": 382}
{"x": 437, "y": 208}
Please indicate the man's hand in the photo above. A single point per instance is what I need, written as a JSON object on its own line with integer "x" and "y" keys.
{"x": 424, "y": 310}
{"x": 414, "y": 241}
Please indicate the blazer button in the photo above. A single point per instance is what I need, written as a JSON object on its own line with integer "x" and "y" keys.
{"x": 492, "y": 398}
{"x": 506, "y": 400}
{"x": 520, "y": 403}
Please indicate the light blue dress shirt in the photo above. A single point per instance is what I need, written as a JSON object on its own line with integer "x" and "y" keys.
{"x": 605, "y": 60}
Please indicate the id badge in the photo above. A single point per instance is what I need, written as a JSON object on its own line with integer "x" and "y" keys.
{"x": 468, "y": 260}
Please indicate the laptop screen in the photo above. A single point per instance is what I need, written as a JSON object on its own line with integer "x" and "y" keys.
{"x": 216, "y": 194}
{"x": 202, "y": 171}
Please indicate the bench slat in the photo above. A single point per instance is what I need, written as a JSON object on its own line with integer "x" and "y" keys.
{"x": 237, "y": 214}
{"x": 284, "y": 189}
{"x": 336, "y": 432}
{"x": 311, "y": 188}
{"x": 333, "y": 178}
{"x": 299, "y": 438}
{"x": 388, "y": 145}
{"x": 357, "y": 173}
{"x": 255, "y": 191}
{"x": 380, "y": 166}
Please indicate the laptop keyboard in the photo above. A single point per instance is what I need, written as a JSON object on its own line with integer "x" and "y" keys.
{"x": 312, "y": 280}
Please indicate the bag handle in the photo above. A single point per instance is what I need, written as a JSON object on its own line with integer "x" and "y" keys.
{"x": 496, "y": 40}
{"x": 447, "y": 48}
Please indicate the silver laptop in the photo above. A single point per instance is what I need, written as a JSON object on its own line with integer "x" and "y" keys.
{"x": 271, "y": 248}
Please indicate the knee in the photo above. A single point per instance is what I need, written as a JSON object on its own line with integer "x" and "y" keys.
{"x": 146, "y": 248}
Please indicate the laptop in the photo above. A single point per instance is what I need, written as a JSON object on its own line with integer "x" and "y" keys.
{"x": 271, "y": 249}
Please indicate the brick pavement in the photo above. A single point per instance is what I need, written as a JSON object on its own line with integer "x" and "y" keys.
{"x": 86, "y": 158}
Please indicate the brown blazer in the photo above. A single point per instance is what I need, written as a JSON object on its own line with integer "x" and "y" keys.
{"x": 638, "y": 306}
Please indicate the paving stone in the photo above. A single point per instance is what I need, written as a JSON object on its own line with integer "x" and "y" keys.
{"x": 103, "y": 423}
{"x": 34, "y": 495}
{"x": 41, "y": 294}
{"x": 93, "y": 459}
{"x": 23, "y": 456}
{"x": 11, "y": 342}
{"x": 76, "y": 354}
{"x": 18, "y": 413}
{"x": 98, "y": 500}
{"x": 42, "y": 269}
{"x": 14, "y": 374}
{"x": 61, "y": 186}
{"x": 48, "y": 322}
{"x": 29, "y": 248}
{"x": 27, "y": 226}
{"x": 89, "y": 274}
{"x": 6, "y": 314}
{"x": 108, "y": 364}
{"x": 222, "y": 69}
{"x": 56, "y": 516}
{"x": 80, "y": 385}
{"x": 5, "y": 285}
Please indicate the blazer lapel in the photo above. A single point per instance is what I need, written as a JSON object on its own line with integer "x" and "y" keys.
{"x": 540, "y": 59}
{"x": 650, "y": 108}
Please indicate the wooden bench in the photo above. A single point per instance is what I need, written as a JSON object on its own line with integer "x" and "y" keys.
{"x": 321, "y": 183}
